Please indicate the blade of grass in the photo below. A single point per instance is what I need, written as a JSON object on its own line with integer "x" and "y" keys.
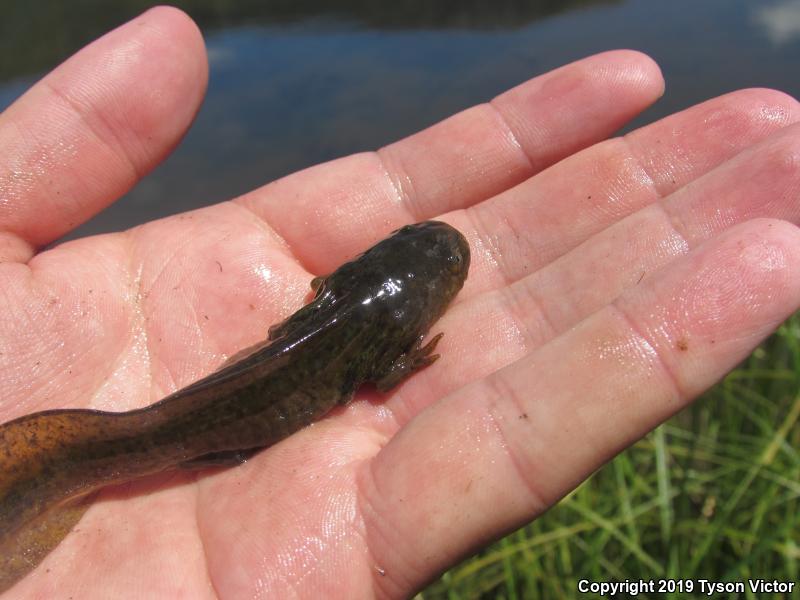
{"x": 767, "y": 456}
{"x": 662, "y": 474}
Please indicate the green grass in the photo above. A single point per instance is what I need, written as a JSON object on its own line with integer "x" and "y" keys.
{"x": 714, "y": 494}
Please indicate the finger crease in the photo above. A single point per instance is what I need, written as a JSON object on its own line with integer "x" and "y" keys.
{"x": 117, "y": 147}
{"x": 487, "y": 241}
{"x": 500, "y": 391}
{"x": 676, "y": 224}
{"x": 518, "y": 308}
{"x": 651, "y": 181}
{"x": 404, "y": 194}
{"x": 367, "y": 486}
{"x": 660, "y": 362}
{"x": 512, "y": 137}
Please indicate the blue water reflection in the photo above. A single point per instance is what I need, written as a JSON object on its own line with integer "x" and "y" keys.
{"x": 282, "y": 97}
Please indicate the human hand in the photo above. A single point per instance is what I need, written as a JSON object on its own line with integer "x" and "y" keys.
{"x": 605, "y": 293}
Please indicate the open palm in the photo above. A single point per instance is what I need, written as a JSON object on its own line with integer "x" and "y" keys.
{"x": 612, "y": 282}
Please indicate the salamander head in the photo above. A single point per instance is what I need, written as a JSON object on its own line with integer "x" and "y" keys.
{"x": 406, "y": 281}
{"x": 431, "y": 251}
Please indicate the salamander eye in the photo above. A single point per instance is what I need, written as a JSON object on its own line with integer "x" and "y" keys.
{"x": 454, "y": 262}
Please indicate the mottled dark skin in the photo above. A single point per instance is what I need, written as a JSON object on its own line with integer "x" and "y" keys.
{"x": 365, "y": 324}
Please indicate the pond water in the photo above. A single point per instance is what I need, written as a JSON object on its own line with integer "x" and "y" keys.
{"x": 299, "y": 82}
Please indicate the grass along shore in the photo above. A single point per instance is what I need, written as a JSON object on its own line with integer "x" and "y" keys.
{"x": 712, "y": 494}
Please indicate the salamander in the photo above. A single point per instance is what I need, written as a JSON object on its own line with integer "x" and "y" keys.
{"x": 365, "y": 323}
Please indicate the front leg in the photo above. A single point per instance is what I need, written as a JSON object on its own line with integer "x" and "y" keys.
{"x": 407, "y": 363}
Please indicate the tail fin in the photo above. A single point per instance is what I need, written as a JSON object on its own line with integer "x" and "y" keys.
{"x": 21, "y": 552}
{"x": 44, "y": 487}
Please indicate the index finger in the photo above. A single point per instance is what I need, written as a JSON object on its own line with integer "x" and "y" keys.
{"x": 341, "y": 207}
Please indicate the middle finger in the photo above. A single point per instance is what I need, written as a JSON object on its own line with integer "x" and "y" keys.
{"x": 520, "y": 231}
